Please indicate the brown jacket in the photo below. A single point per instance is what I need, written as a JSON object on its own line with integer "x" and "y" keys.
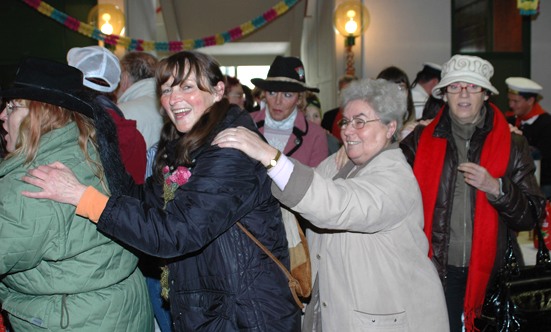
{"x": 519, "y": 187}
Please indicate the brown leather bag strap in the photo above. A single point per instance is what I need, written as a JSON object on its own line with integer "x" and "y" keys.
{"x": 293, "y": 283}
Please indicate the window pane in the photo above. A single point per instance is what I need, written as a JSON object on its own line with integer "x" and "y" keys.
{"x": 228, "y": 71}
{"x": 472, "y": 25}
{"x": 487, "y": 26}
{"x": 246, "y": 73}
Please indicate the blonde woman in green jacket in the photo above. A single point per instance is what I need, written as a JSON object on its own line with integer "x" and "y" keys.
{"x": 58, "y": 273}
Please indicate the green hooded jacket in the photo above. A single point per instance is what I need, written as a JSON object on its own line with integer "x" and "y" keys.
{"x": 56, "y": 269}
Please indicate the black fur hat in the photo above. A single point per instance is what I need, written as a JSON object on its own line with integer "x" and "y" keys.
{"x": 49, "y": 82}
{"x": 59, "y": 84}
{"x": 286, "y": 74}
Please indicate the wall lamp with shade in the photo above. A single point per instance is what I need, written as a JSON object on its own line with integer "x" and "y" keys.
{"x": 108, "y": 18}
{"x": 351, "y": 20}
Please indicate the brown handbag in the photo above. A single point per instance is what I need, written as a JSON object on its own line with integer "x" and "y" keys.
{"x": 294, "y": 284}
{"x": 301, "y": 269}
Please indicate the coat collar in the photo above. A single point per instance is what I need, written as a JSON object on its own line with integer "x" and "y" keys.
{"x": 346, "y": 171}
{"x": 234, "y": 114}
{"x": 444, "y": 127}
{"x": 55, "y": 139}
{"x": 143, "y": 87}
{"x": 300, "y": 123}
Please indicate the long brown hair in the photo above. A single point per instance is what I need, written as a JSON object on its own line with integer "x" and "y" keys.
{"x": 42, "y": 119}
{"x": 208, "y": 74}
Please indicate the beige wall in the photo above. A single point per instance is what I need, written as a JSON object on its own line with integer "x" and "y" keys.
{"x": 317, "y": 50}
{"x": 405, "y": 34}
{"x": 402, "y": 33}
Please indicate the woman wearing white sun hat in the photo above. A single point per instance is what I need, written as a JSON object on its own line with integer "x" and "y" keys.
{"x": 477, "y": 181}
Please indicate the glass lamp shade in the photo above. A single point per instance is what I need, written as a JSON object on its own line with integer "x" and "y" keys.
{"x": 351, "y": 19}
{"x": 108, "y": 18}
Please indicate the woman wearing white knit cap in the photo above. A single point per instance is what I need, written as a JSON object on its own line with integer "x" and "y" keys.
{"x": 477, "y": 181}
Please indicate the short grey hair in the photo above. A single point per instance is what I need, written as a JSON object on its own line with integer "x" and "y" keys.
{"x": 383, "y": 96}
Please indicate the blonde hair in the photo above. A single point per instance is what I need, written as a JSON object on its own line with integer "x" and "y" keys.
{"x": 302, "y": 100}
{"x": 43, "y": 118}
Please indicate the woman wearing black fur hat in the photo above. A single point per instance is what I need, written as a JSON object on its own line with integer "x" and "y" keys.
{"x": 57, "y": 271}
{"x": 219, "y": 279}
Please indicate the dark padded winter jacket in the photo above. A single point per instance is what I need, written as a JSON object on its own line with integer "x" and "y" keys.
{"x": 219, "y": 279}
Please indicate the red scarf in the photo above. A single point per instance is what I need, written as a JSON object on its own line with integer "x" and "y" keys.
{"x": 336, "y": 130}
{"x": 427, "y": 168}
{"x": 535, "y": 111}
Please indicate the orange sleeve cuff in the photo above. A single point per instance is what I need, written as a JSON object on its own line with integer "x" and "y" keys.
{"x": 92, "y": 204}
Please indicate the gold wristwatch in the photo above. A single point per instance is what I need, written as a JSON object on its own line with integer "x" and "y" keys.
{"x": 273, "y": 162}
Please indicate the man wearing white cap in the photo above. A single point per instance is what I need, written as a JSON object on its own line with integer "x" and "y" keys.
{"x": 476, "y": 179}
{"x": 422, "y": 86}
{"x": 102, "y": 73}
{"x": 535, "y": 123}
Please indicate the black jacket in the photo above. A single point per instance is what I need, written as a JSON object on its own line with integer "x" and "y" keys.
{"x": 219, "y": 279}
{"x": 519, "y": 187}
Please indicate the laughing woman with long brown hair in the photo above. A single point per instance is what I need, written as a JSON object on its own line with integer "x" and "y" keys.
{"x": 219, "y": 279}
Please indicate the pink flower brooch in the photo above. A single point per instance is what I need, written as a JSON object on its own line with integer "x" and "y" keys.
{"x": 173, "y": 181}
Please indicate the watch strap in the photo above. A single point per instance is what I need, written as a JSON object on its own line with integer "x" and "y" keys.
{"x": 274, "y": 161}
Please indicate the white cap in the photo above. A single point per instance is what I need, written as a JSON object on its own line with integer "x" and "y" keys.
{"x": 522, "y": 85}
{"x": 96, "y": 62}
{"x": 468, "y": 69}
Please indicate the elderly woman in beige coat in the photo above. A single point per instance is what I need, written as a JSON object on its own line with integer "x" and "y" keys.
{"x": 370, "y": 265}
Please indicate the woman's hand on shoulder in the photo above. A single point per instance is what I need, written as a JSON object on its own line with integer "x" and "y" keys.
{"x": 58, "y": 183}
{"x": 425, "y": 122}
{"x": 409, "y": 127}
{"x": 514, "y": 129}
{"x": 341, "y": 158}
{"x": 248, "y": 142}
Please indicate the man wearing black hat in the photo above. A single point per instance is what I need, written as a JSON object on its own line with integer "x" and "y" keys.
{"x": 422, "y": 86}
{"x": 535, "y": 123}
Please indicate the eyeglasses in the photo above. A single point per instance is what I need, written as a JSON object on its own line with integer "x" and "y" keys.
{"x": 10, "y": 108}
{"x": 236, "y": 95}
{"x": 356, "y": 123}
{"x": 457, "y": 88}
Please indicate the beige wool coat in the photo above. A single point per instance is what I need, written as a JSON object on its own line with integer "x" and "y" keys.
{"x": 369, "y": 249}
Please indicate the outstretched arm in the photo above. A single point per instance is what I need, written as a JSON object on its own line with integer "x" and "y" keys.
{"x": 248, "y": 142}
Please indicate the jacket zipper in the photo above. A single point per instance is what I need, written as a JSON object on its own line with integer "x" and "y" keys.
{"x": 467, "y": 145}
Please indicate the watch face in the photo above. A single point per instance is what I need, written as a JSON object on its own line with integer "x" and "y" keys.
{"x": 273, "y": 162}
